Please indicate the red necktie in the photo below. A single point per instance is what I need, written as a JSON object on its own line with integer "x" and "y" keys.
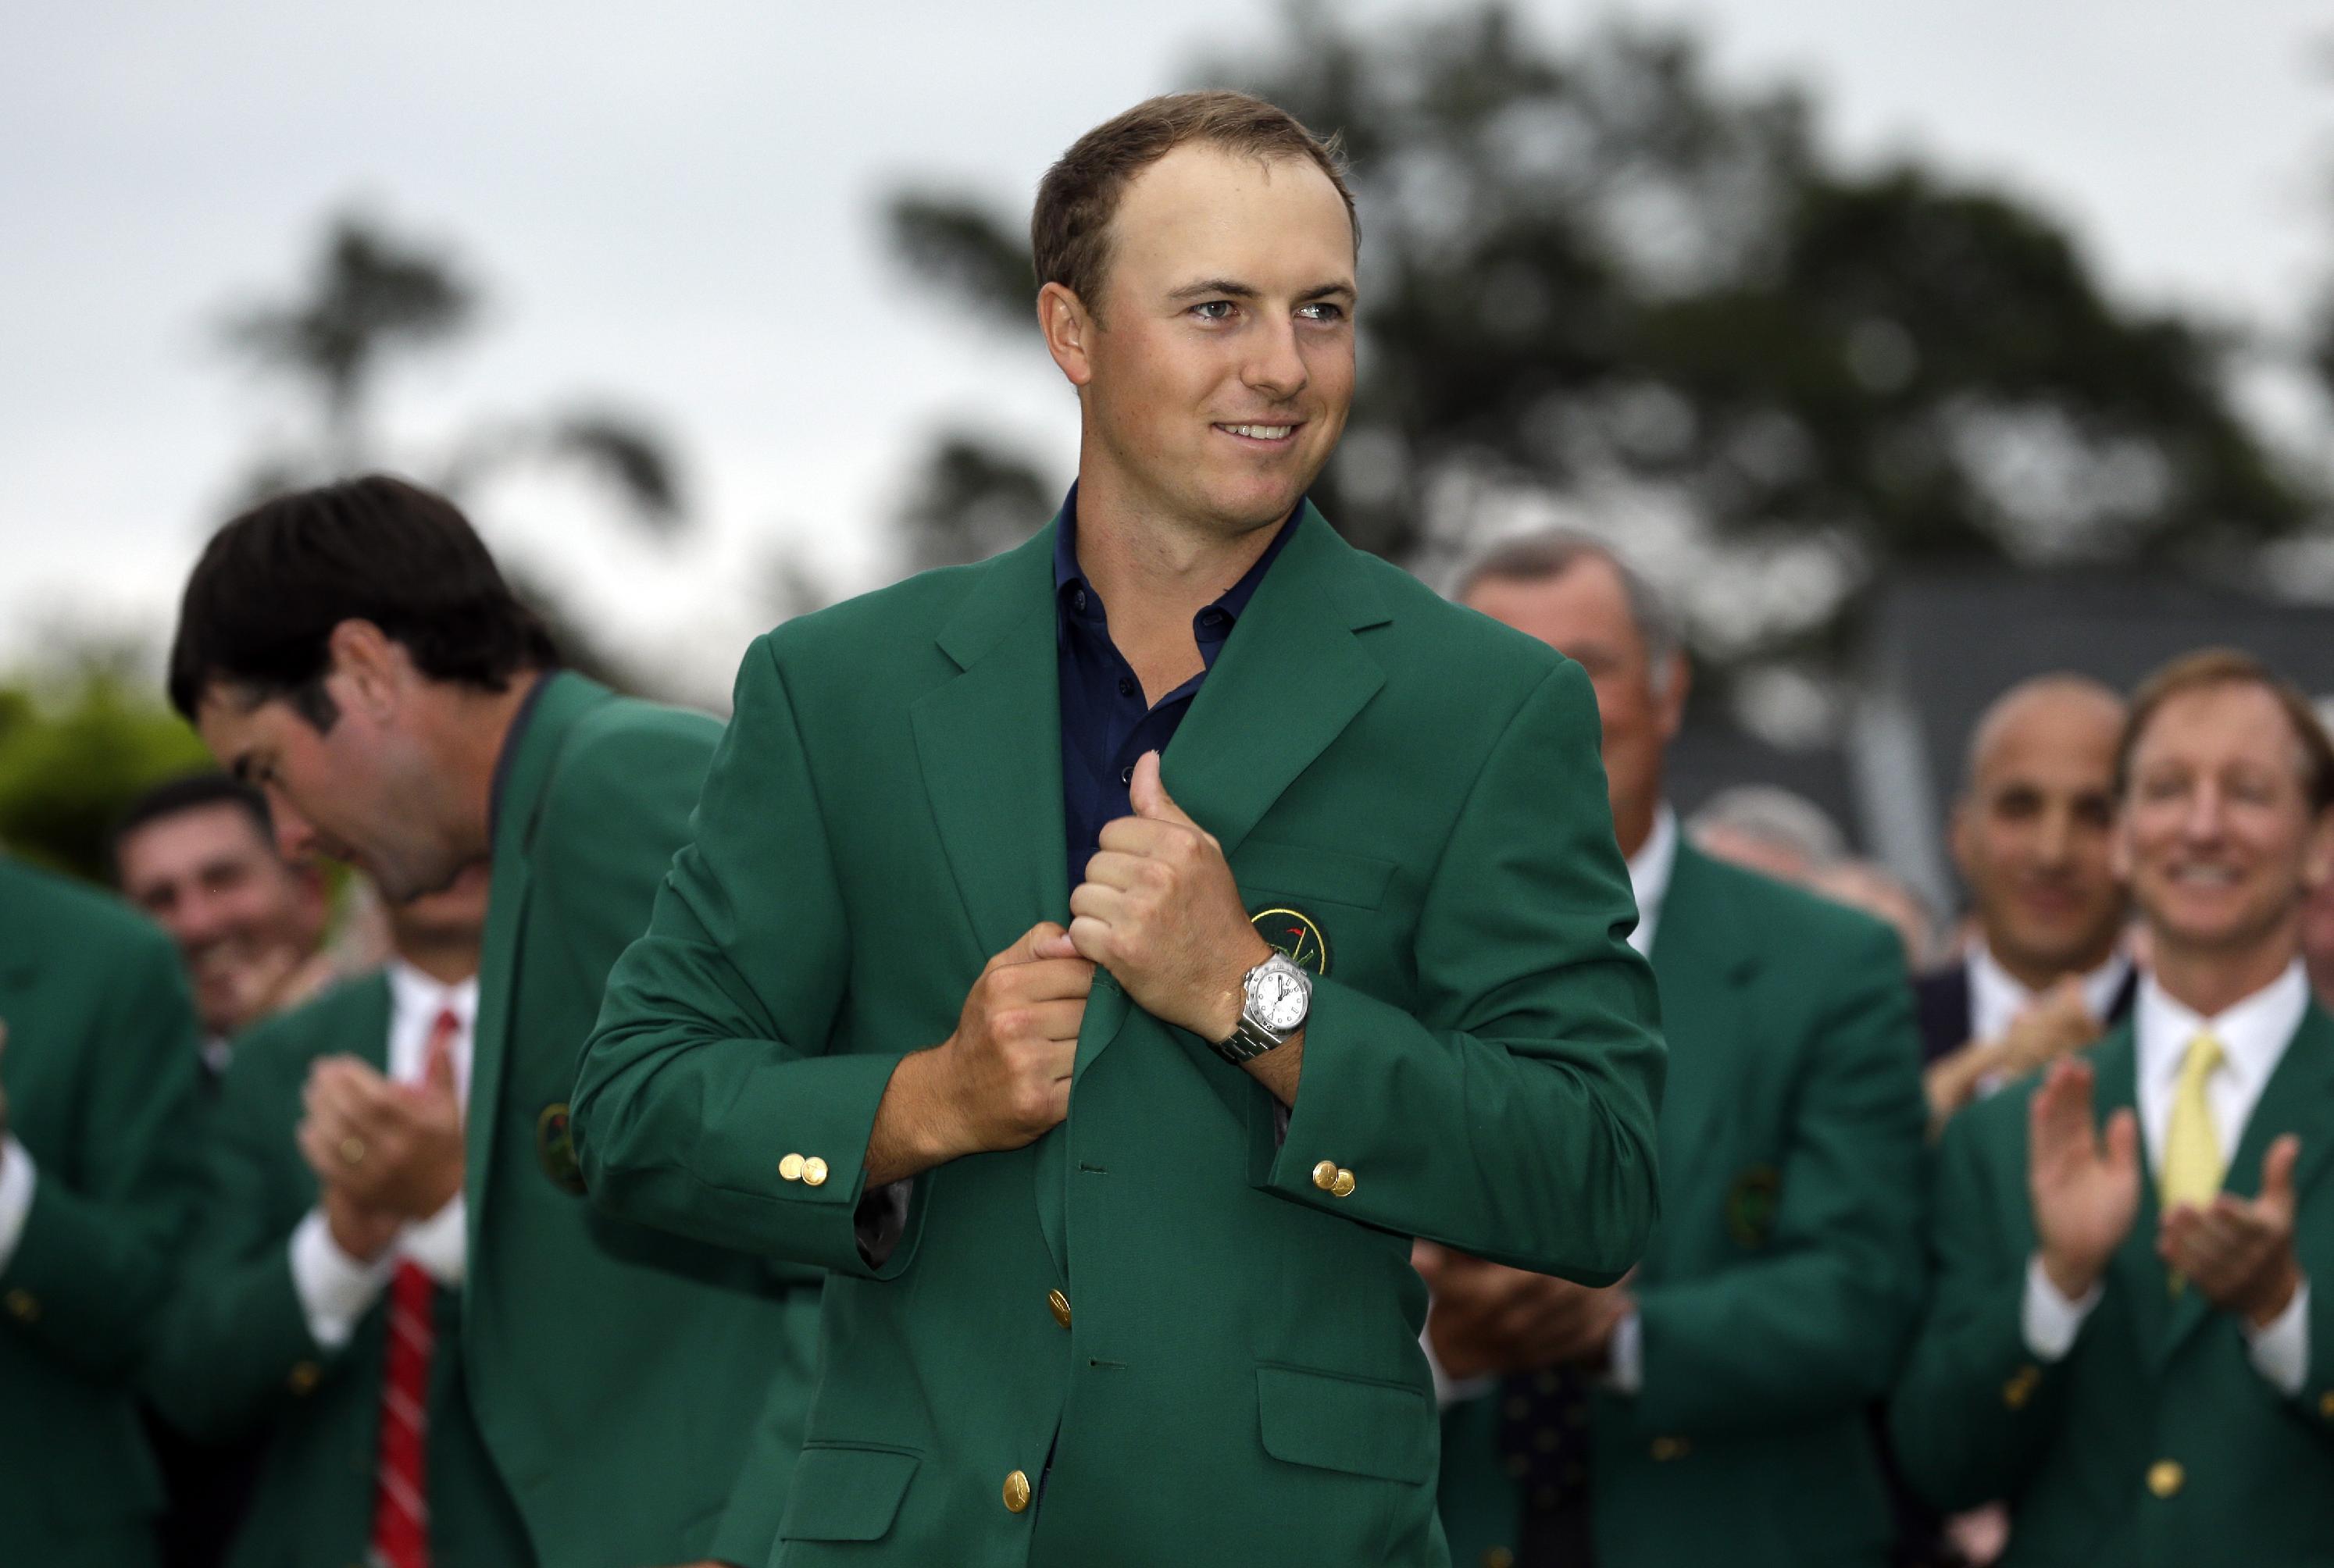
{"x": 400, "y": 1515}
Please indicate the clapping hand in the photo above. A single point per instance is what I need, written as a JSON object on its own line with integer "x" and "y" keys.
{"x": 1489, "y": 1319}
{"x": 2084, "y": 1185}
{"x": 2238, "y": 1251}
{"x": 386, "y": 1146}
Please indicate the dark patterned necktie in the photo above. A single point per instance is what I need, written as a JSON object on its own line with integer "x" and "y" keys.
{"x": 1543, "y": 1436}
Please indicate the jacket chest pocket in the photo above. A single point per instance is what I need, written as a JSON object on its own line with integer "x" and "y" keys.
{"x": 846, "y": 1494}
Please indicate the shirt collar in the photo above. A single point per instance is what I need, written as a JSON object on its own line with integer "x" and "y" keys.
{"x": 1649, "y": 876}
{"x": 1212, "y": 623}
{"x": 1997, "y": 996}
{"x": 415, "y": 993}
{"x": 2253, "y": 1034}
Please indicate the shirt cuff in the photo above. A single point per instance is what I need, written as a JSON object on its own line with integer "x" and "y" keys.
{"x": 439, "y": 1244}
{"x": 2281, "y": 1352}
{"x": 17, "y": 1177}
{"x": 1625, "y": 1356}
{"x": 881, "y": 1219}
{"x": 1450, "y": 1391}
{"x": 334, "y": 1289}
{"x": 2050, "y": 1322}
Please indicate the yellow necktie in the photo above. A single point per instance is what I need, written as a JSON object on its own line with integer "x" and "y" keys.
{"x": 2192, "y": 1165}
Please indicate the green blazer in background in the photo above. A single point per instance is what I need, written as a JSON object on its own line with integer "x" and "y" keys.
{"x": 1779, "y": 1292}
{"x": 1217, "y": 1357}
{"x": 2154, "y": 1440}
{"x": 99, "y": 1071}
{"x": 237, "y": 1356}
{"x": 626, "y": 1381}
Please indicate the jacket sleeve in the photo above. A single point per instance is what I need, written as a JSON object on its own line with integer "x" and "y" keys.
{"x": 100, "y": 1242}
{"x": 235, "y": 1336}
{"x": 709, "y": 1062}
{"x": 1818, "y": 1323}
{"x": 1974, "y": 1407}
{"x": 1513, "y": 1116}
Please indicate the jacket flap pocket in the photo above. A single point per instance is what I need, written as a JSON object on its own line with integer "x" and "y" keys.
{"x": 846, "y": 1494}
{"x": 1333, "y": 876}
{"x": 1339, "y": 1423}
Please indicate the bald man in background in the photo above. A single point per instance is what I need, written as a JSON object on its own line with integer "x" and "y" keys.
{"x": 2044, "y": 972}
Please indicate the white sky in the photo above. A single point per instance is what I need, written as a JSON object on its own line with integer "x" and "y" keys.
{"x": 677, "y": 206}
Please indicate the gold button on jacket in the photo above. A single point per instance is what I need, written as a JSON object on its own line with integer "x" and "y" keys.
{"x": 813, "y": 1172}
{"x": 1060, "y": 1306}
{"x": 1344, "y": 1185}
{"x": 22, "y": 1307}
{"x": 790, "y": 1169}
{"x": 1016, "y": 1492}
{"x": 305, "y": 1376}
{"x": 1324, "y": 1175}
{"x": 2166, "y": 1478}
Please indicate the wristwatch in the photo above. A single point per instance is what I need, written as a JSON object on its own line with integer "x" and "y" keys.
{"x": 1279, "y": 994}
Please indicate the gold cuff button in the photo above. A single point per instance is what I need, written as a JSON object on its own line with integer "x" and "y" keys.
{"x": 23, "y": 1306}
{"x": 1344, "y": 1185}
{"x": 790, "y": 1169}
{"x": 1060, "y": 1304}
{"x": 2166, "y": 1478}
{"x": 1016, "y": 1492}
{"x": 2326, "y": 1406}
{"x": 2021, "y": 1389}
{"x": 813, "y": 1172}
{"x": 1498, "y": 1557}
{"x": 1668, "y": 1449}
{"x": 305, "y": 1376}
{"x": 1324, "y": 1175}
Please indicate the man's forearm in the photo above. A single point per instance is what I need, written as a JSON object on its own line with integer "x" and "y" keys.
{"x": 911, "y": 1133}
{"x": 1279, "y": 1068}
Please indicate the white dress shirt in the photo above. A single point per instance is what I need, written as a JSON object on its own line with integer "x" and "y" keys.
{"x": 17, "y": 1178}
{"x": 1997, "y": 996}
{"x": 334, "y": 1289}
{"x": 1649, "y": 883}
{"x": 2254, "y": 1034}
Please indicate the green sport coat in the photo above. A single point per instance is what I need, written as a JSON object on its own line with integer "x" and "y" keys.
{"x": 626, "y": 1381}
{"x": 1216, "y": 1358}
{"x": 237, "y": 1358}
{"x": 99, "y": 1071}
{"x": 2152, "y": 1441}
{"x": 1779, "y": 1293}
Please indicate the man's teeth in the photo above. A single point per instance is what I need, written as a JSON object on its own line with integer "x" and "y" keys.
{"x": 1261, "y": 432}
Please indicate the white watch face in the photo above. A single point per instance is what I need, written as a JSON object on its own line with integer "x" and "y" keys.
{"x": 1278, "y": 1001}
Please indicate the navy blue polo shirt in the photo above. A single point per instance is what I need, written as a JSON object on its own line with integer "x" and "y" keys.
{"x": 1106, "y": 725}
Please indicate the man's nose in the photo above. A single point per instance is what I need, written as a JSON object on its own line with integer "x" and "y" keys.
{"x": 295, "y": 839}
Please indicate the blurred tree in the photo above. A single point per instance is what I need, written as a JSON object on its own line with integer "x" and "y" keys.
{"x": 971, "y": 498}
{"x": 1598, "y": 282}
{"x": 75, "y": 748}
{"x": 374, "y": 296}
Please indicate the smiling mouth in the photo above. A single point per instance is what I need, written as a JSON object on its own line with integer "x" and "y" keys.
{"x": 1260, "y": 435}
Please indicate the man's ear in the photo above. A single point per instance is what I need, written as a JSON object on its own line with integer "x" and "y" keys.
{"x": 1069, "y": 328}
{"x": 370, "y": 669}
{"x": 1675, "y": 692}
{"x": 2318, "y": 853}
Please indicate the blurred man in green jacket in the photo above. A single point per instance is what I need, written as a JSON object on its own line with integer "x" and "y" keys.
{"x": 2126, "y": 1341}
{"x": 1716, "y": 1407}
{"x": 98, "y": 1150}
{"x": 354, "y": 652}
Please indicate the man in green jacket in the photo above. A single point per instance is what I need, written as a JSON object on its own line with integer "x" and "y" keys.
{"x": 1717, "y": 1407}
{"x": 1113, "y": 1088}
{"x": 2125, "y": 1342}
{"x": 353, "y": 650}
{"x": 97, "y": 1160}
{"x": 321, "y": 1302}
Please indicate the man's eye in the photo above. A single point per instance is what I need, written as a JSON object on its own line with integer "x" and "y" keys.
{"x": 1213, "y": 311}
{"x": 1322, "y": 311}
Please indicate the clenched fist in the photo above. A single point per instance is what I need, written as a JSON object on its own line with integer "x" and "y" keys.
{"x": 1003, "y": 1078}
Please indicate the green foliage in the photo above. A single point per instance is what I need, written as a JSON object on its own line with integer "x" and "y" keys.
{"x": 1594, "y": 276}
{"x": 74, "y": 750}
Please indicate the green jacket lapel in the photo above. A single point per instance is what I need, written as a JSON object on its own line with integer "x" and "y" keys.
{"x": 990, "y": 745}
{"x": 565, "y": 697}
{"x": 2136, "y": 1268}
{"x": 2299, "y": 1098}
{"x": 1289, "y": 679}
{"x": 1703, "y": 964}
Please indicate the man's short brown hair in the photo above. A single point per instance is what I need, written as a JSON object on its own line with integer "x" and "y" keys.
{"x": 1070, "y": 228}
{"x": 2216, "y": 667}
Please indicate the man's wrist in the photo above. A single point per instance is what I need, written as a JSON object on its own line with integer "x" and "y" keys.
{"x": 1230, "y": 1002}
{"x": 2072, "y": 1279}
{"x": 2267, "y": 1303}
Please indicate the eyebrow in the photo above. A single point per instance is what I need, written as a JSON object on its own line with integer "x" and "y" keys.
{"x": 1235, "y": 289}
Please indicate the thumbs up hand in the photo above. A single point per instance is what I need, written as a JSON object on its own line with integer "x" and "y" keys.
{"x": 1160, "y": 911}
{"x": 2238, "y": 1251}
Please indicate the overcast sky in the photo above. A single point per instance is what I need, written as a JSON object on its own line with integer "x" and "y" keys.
{"x": 675, "y": 206}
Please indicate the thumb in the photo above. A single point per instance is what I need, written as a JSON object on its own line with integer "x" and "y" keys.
{"x": 2277, "y": 1169}
{"x": 2123, "y": 1140}
{"x": 1148, "y": 793}
{"x": 439, "y": 1074}
{"x": 1043, "y": 940}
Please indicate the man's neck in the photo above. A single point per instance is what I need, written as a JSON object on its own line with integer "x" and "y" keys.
{"x": 1154, "y": 572}
{"x": 471, "y": 732}
{"x": 2208, "y": 982}
{"x": 2038, "y": 976}
{"x": 448, "y": 963}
